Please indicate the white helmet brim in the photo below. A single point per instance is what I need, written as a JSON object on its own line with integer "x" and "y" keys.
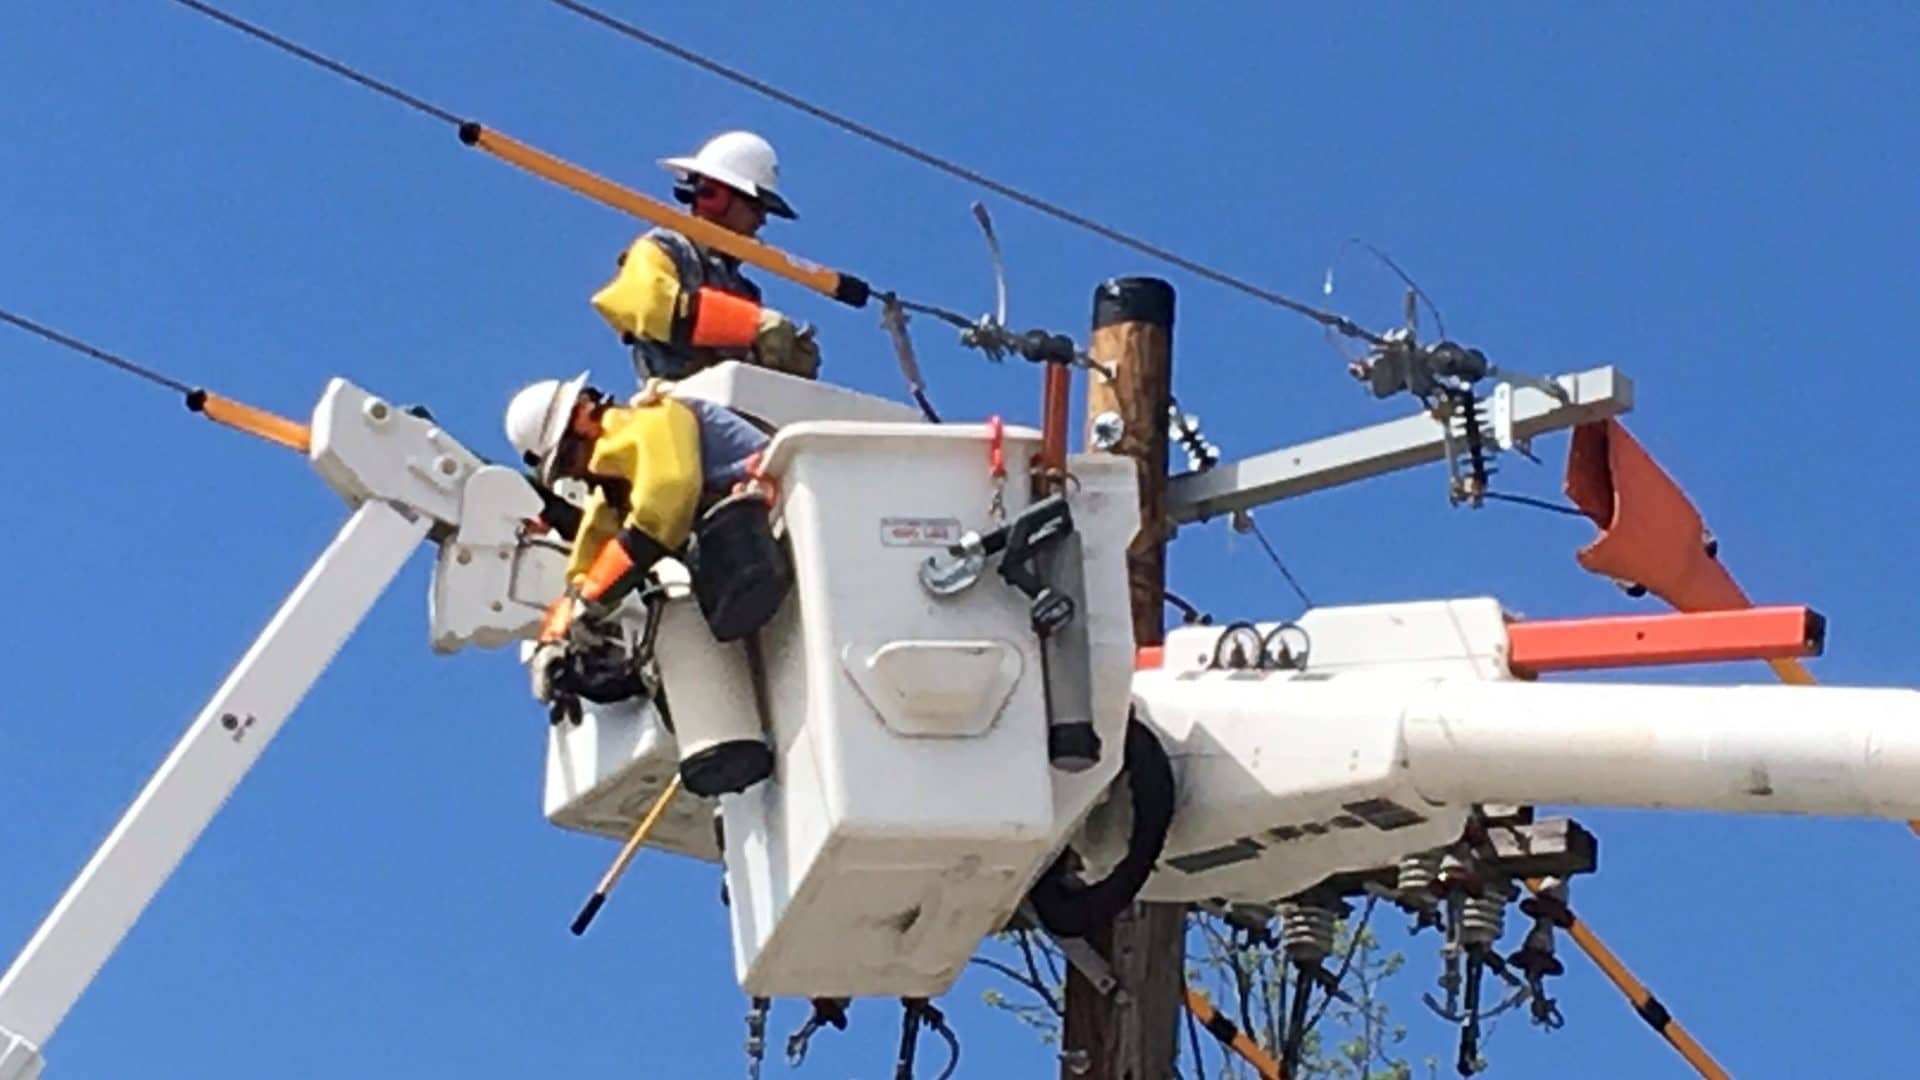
{"x": 685, "y": 167}
{"x": 536, "y": 428}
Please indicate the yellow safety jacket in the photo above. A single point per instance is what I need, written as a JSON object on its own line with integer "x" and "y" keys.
{"x": 680, "y": 306}
{"x": 656, "y": 462}
{"x": 646, "y": 468}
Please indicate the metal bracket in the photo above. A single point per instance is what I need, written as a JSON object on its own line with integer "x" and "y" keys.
{"x": 1362, "y": 454}
{"x": 1079, "y": 952}
{"x": 955, "y": 572}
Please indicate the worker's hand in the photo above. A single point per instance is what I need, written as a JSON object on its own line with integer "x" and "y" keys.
{"x": 782, "y": 346}
{"x": 559, "y": 618}
{"x": 805, "y": 359}
{"x": 551, "y": 669}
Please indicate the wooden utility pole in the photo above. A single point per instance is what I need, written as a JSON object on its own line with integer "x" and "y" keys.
{"x": 1131, "y": 1034}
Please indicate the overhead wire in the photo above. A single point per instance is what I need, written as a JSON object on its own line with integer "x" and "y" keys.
{"x": 1439, "y": 321}
{"x": 218, "y": 408}
{"x": 114, "y": 360}
{"x": 1193, "y": 1042}
{"x": 1252, "y": 525}
{"x": 843, "y": 287}
{"x": 335, "y": 66}
{"x": 1538, "y": 504}
{"x": 962, "y": 172}
{"x": 1346, "y": 961}
{"x": 1033, "y": 972}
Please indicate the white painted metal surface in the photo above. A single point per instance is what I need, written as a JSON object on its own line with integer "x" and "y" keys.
{"x": 776, "y": 400}
{"x": 491, "y": 581}
{"x": 366, "y": 448}
{"x": 896, "y": 833}
{"x": 1383, "y": 448}
{"x": 1838, "y": 751}
{"x": 604, "y": 773}
{"x": 19, "y": 1059}
{"x": 1406, "y": 715}
{"x": 1286, "y": 777}
{"x": 221, "y": 745}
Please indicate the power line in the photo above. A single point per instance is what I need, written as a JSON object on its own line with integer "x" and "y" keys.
{"x": 1538, "y": 504}
{"x": 1219, "y": 277}
{"x": 1338, "y": 323}
{"x": 377, "y": 86}
{"x": 218, "y": 408}
{"x": 102, "y": 355}
{"x": 1244, "y": 521}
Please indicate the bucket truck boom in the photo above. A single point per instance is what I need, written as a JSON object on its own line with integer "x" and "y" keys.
{"x": 406, "y": 480}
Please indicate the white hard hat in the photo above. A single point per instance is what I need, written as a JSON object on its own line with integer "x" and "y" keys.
{"x": 538, "y": 416}
{"x": 741, "y": 160}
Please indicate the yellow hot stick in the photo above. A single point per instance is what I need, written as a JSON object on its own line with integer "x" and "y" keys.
{"x": 1642, "y": 999}
{"x": 845, "y": 288}
{"x": 619, "y": 867}
{"x": 254, "y": 421}
{"x": 1230, "y": 1036}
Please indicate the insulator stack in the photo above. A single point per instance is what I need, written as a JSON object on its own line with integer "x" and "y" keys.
{"x": 1306, "y": 931}
{"x": 1413, "y": 888}
{"x": 1483, "y": 916}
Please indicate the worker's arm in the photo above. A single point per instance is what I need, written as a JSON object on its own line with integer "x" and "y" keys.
{"x": 599, "y": 523}
{"x": 656, "y": 449}
{"x": 646, "y": 300}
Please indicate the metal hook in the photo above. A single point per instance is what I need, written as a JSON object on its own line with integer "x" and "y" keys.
{"x": 999, "y": 265}
{"x": 956, "y": 570}
{"x": 826, "y": 1011}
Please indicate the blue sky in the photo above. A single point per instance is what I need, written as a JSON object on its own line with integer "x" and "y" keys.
{"x": 1722, "y": 205}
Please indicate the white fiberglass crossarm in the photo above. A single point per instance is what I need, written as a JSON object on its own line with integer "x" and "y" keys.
{"x": 1383, "y": 448}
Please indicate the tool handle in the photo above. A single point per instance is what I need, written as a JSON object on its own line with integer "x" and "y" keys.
{"x": 254, "y": 421}
{"x": 587, "y": 912}
{"x": 612, "y": 876}
{"x": 845, "y": 288}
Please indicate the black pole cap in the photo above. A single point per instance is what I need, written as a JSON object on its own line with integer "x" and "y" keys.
{"x": 1133, "y": 299}
{"x": 469, "y": 132}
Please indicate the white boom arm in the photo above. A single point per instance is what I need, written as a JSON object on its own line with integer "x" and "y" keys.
{"x": 1838, "y": 751}
{"x": 206, "y": 765}
{"x": 405, "y": 478}
{"x": 1406, "y": 715}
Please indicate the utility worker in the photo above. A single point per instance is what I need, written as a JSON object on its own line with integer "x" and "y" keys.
{"x": 683, "y": 306}
{"x": 650, "y": 464}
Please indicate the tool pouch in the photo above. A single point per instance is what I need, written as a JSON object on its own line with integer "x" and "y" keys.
{"x": 741, "y": 573}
